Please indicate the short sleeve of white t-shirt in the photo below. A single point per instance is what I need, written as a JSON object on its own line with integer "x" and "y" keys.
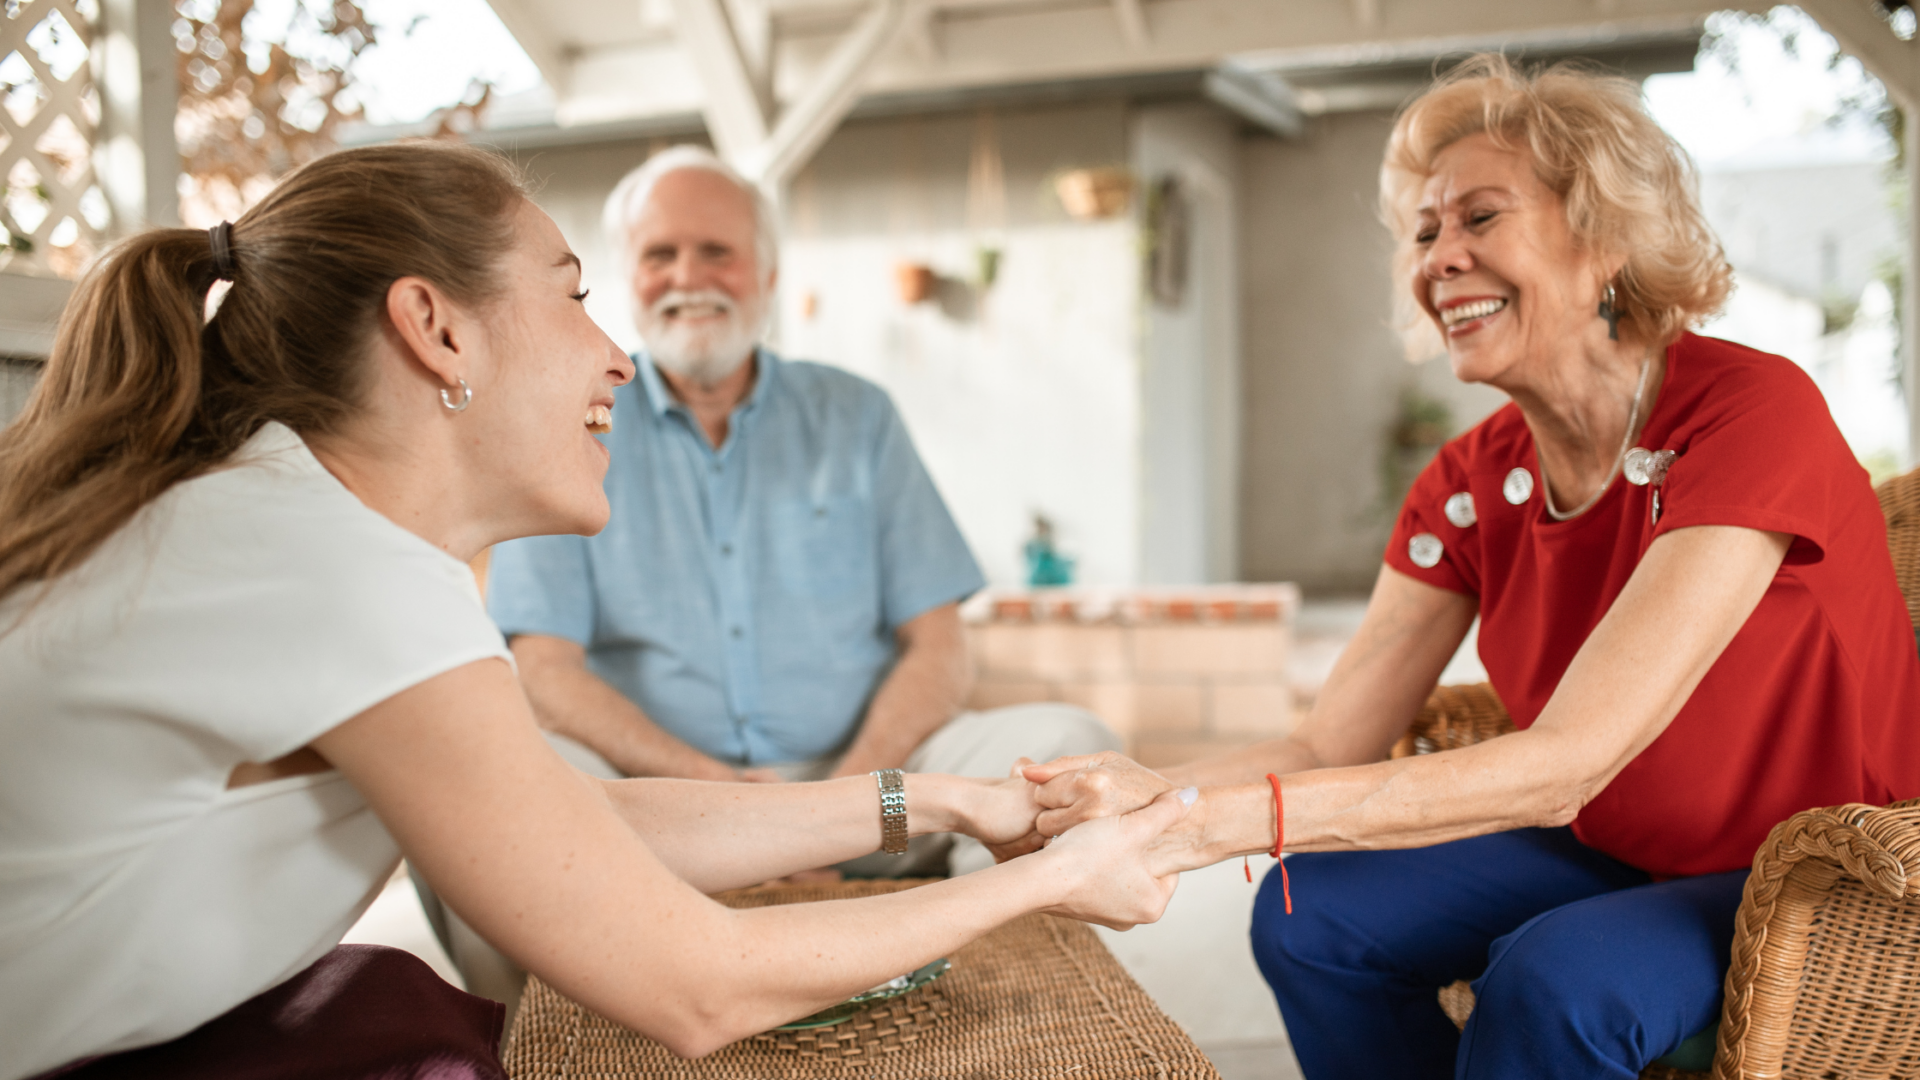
{"x": 235, "y": 619}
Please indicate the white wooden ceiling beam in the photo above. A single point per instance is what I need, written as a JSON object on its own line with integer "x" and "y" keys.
{"x": 1862, "y": 31}
{"x": 834, "y": 89}
{"x": 732, "y": 110}
{"x": 1260, "y": 98}
{"x": 752, "y": 22}
{"x": 1132, "y": 15}
{"x": 529, "y": 26}
{"x": 921, "y": 31}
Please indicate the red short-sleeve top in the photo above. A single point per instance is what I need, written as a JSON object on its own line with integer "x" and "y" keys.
{"x": 1815, "y": 702}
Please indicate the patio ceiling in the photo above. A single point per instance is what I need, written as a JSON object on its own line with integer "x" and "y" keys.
{"x": 772, "y": 78}
{"x": 629, "y": 59}
{"x": 945, "y": 43}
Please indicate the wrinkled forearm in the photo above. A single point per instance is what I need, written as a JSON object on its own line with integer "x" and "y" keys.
{"x": 1508, "y": 783}
{"x": 1245, "y": 766}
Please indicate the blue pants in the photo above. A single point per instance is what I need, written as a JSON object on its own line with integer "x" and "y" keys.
{"x": 1583, "y": 966}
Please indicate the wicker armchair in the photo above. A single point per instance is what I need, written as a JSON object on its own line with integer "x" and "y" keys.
{"x": 1825, "y": 980}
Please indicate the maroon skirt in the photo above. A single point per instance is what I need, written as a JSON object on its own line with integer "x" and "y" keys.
{"x": 361, "y": 1012}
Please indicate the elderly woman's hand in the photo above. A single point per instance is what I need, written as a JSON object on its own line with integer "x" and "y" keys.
{"x": 1076, "y": 789}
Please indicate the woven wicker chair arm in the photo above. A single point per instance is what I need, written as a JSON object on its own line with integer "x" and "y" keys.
{"x": 1879, "y": 846}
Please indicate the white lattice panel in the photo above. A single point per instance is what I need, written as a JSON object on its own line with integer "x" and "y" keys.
{"x": 52, "y": 212}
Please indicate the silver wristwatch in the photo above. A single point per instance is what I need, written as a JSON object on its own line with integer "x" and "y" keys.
{"x": 893, "y": 810}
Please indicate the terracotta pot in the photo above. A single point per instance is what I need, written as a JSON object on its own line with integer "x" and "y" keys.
{"x": 1091, "y": 194}
{"x": 915, "y": 282}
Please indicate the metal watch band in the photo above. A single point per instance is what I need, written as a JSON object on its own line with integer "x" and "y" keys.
{"x": 893, "y": 810}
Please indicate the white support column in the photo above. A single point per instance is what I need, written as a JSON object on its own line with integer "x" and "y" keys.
{"x": 812, "y": 117}
{"x": 1910, "y": 281}
{"x": 1862, "y": 31}
{"x": 135, "y": 156}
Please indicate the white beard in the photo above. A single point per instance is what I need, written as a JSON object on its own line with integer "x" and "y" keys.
{"x": 704, "y": 354}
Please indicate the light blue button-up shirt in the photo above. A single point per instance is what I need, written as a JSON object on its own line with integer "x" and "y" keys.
{"x": 746, "y": 598}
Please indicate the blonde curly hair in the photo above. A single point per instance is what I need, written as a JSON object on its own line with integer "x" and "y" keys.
{"x": 1629, "y": 188}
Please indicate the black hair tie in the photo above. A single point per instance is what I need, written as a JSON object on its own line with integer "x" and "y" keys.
{"x": 221, "y": 237}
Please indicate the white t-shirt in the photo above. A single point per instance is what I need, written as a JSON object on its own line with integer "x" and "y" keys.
{"x": 234, "y": 619}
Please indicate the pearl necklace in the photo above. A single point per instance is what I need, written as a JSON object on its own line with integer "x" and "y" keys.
{"x": 1633, "y": 418}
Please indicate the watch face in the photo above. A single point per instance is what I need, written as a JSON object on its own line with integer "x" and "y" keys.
{"x": 859, "y": 1003}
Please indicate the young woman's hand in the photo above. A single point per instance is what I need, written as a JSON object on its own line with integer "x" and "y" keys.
{"x": 1079, "y": 789}
{"x": 1000, "y": 814}
{"x": 1116, "y": 873}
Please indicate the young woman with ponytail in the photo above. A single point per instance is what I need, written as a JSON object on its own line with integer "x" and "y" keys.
{"x": 243, "y": 668}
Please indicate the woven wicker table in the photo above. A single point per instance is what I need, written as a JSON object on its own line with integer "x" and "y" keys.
{"x": 1038, "y": 998}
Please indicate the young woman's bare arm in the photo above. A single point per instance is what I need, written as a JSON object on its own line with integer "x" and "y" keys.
{"x": 723, "y": 836}
{"x": 535, "y": 856}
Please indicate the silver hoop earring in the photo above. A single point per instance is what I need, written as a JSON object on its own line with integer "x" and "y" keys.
{"x": 465, "y": 400}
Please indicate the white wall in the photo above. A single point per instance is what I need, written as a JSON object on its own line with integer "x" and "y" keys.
{"x": 16, "y": 382}
{"x": 1324, "y": 370}
{"x": 1029, "y": 402}
{"x": 1023, "y": 397}
{"x": 1190, "y": 357}
{"x": 1820, "y": 231}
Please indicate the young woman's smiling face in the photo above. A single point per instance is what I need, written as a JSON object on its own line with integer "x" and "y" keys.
{"x": 549, "y": 379}
{"x": 1499, "y": 270}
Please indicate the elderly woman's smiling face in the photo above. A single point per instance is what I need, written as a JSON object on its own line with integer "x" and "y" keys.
{"x": 1499, "y": 269}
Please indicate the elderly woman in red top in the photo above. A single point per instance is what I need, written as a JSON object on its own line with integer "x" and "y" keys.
{"x": 1685, "y": 599}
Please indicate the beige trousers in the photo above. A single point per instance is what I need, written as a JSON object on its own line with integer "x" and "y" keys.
{"x": 985, "y": 743}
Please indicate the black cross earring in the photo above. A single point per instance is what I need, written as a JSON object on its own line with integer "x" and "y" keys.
{"x": 1610, "y": 313}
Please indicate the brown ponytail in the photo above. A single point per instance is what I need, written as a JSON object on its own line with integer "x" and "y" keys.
{"x": 138, "y": 395}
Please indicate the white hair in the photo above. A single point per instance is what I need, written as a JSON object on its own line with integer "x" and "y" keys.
{"x": 630, "y": 197}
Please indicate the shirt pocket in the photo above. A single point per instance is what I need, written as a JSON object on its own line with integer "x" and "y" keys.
{"x": 825, "y": 549}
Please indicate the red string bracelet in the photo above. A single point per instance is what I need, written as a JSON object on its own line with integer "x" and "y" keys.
{"x": 1279, "y": 839}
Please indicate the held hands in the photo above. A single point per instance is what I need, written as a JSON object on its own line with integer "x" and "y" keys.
{"x": 1103, "y": 810}
{"x": 1073, "y": 790}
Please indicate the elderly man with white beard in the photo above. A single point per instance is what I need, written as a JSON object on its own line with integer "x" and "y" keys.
{"x": 776, "y": 595}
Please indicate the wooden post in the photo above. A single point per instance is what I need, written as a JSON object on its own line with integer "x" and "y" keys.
{"x": 135, "y": 155}
{"x": 1862, "y": 30}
